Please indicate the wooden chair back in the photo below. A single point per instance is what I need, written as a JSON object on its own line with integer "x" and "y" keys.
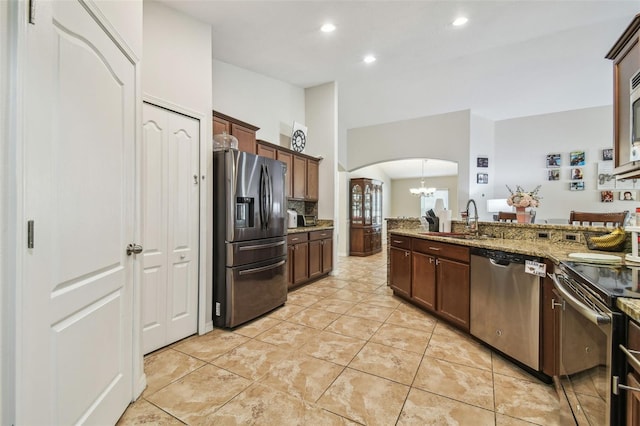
{"x": 507, "y": 217}
{"x": 615, "y": 219}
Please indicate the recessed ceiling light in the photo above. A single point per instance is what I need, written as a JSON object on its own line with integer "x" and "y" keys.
{"x": 328, "y": 28}
{"x": 460, "y": 21}
{"x": 369, "y": 59}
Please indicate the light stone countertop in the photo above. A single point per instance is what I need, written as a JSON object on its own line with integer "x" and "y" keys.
{"x": 554, "y": 251}
{"x": 301, "y": 229}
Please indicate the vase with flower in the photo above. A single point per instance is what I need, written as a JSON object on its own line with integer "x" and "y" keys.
{"x": 521, "y": 200}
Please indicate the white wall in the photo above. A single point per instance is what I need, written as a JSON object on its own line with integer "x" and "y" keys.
{"x": 405, "y": 204}
{"x": 443, "y": 136}
{"x": 7, "y": 261}
{"x": 322, "y": 140}
{"x": 177, "y": 59}
{"x": 177, "y": 74}
{"x": 271, "y": 105}
{"x": 482, "y": 144}
{"x": 521, "y": 146}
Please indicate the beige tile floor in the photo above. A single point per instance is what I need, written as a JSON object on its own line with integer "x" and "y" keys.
{"x": 342, "y": 351}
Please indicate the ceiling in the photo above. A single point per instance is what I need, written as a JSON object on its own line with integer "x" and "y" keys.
{"x": 514, "y": 57}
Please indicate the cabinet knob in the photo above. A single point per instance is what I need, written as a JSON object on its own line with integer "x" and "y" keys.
{"x": 406, "y": 254}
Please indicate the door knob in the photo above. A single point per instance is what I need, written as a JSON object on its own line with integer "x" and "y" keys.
{"x": 134, "y": 249}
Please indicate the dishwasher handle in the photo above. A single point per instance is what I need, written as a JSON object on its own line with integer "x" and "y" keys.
{"x": 501, "y": 263}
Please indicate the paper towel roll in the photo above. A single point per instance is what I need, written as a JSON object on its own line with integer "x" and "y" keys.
{"x": 438, "y": 206}
{"x": 445, "y": 221}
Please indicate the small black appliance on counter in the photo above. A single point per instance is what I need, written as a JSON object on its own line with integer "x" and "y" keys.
{"x": 307, "y": 220}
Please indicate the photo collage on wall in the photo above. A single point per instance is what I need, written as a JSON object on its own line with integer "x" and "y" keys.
{"x": 575, "y": 172}
{"x": 482, "y": 163}
{"x": 612, "y": 189}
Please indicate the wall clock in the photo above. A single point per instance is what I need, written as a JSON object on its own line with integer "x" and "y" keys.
{"x": 298, "y": 141}
{"x": 298, "y": 137}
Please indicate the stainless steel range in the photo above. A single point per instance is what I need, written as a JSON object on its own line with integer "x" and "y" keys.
{"x": 591, "y": 329}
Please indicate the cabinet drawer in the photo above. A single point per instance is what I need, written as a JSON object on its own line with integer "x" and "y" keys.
{"x": 439, "y": 249}
{"x": 298, "y": 237}
{"x": 320, "y": 235}
{"x": 401, "y": 242}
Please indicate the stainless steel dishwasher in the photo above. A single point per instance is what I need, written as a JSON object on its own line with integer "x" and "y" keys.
{"x": 505, "y": 304}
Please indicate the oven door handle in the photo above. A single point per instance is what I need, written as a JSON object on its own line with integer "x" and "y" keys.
{"x": 584, "y": 310}
{"x": 635, "y": 363}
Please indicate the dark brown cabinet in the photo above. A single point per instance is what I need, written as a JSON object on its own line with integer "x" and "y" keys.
{"x": 298, "y": 250}
{"x": 424, "y": 288}
{"x": 453, "y": 291}
{"x": 625, "y": 55}
{"x": 266, "y": 150}
{"x": 400, "y": 265}
{"x": 633, "y": 401}
{"x": 365, "y": 213}
{"x": 302, "y": 178}
{"x": 310, "y": 256}
{"x": 244, "y": 132}
{"x": 433, "y": 275}
{"x": 440, "y": 279}
{"x": 286, "y": 158}
{"x": 633, "y": 377}
{"x": 320, "y": 253}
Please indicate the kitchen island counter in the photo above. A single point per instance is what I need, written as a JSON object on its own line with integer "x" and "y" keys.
{"x": 553, "y": 250}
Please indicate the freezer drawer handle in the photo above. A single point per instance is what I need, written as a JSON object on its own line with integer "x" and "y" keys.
{"x": 264, "y": 268}
{"x": 261, "y": 246}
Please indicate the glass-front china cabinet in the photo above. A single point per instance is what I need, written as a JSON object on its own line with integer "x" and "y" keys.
{"x": 366, "y": 216}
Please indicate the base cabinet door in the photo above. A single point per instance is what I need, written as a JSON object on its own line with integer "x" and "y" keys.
{"x": 633, "y": 401}
{"x": 315, "y": 258}
{"x": 300, "y": 263}
{"x": 327, "y": 255}
{"x": 423, "y": 280}
{"x": 400, "y": 271}
{"x": 453, "y": 291}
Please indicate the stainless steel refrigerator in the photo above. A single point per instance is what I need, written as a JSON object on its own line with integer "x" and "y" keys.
{"x": 249, "y": 237}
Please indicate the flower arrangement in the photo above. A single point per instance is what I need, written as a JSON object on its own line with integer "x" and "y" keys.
{"x": 521, "y": 198}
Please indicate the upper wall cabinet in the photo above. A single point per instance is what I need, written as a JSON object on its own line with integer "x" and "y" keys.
{"x": 302, "y": 179}
{"x": 244, "y": 132}
{"x": 625, "y": 55}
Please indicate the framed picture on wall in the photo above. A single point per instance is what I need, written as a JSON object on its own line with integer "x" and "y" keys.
{"x": 483, "y": 178}
{"x": 606, "y": 196}
{"x": 577, "y": 158}
{"x": 577, "y": 174}
{"x": 554, "y": 160}
{"x": 553, "y": 174}
{"x": 483, "y": 162}
{"x": 576, "y": 186}
{"x": 627, "y": 195}
{"x": 607, "y": 154}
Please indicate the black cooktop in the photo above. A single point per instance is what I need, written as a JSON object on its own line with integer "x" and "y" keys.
{"x": 609, "y": 281}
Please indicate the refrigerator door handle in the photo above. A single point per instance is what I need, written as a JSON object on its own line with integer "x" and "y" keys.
{"x": 263, "y": 198}
{"x": 269, "y": 200}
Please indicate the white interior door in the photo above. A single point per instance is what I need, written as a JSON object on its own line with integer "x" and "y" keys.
{"x": 170, "y": 187}
{"x": 75, "y": 353}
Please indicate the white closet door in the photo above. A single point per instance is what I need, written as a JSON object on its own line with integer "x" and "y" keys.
{"x": 75, "y": 324}
{"x": 170, "y": 226}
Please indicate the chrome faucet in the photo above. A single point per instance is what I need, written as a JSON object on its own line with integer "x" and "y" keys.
{"x": 472, "y": 227}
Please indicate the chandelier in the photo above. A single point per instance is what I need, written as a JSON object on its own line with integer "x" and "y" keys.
{"x": 422, "y": 191}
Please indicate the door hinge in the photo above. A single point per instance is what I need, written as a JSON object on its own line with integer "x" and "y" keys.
{"x": 30, "y": 225}
{"x": 32, "y": 12}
